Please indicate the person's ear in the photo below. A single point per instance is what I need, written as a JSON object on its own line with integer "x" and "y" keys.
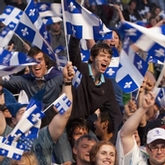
{"x": 105, "y": 124}
{"x": 74, "y": 150}
{"x": 92, "y": 58}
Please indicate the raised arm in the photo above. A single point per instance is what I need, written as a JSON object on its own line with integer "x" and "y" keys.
{"x": 117, "y": 7}
{"x": 131, "y": 125}
{"x": 58, "y": 123}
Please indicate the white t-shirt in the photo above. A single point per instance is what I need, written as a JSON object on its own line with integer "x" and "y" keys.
{"x": 133, "y": 157}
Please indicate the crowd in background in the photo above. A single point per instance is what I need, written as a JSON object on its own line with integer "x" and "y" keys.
{"x": 104, "y": 125}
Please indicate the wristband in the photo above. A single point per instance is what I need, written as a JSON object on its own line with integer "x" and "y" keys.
{"x": 67, "y": 83}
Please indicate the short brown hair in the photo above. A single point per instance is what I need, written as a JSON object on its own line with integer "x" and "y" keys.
{"x": 99, "y": 47}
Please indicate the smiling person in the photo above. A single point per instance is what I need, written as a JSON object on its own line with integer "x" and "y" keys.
{"x": 95, "y": 90}
{"x": 42, "y": 76}
{"x": 103, "y": 153}
{"x": 45, "y": 76}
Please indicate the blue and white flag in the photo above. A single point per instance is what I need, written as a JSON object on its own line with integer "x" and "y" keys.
{"x": 12, "y": 150}
{"x": 114, "y": 65}
{"x": 85, "y": 55}
{"x": 160, "y": 96}
{"x": 29, "y": 32}
{"x": 5, "y": 37}
{"x": 150, "y": 40}
{"x": 131, "y": 71}
{"x": 13, "y": 62}
{"x": 97, "y": 2}
{"x": 61, "y": 60}
{"x": 48, "y": 13}
{"x": 47, "y": 9}
{"x": 33, "y": 14}
{"x": 77, "y": 78}
{"x": 62, "y": 103}
{"x": 11, "y": 16}
{"x": 81, "y": 23}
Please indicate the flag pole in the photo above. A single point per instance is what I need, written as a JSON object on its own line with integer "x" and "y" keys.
{"x": 65, "y": 31}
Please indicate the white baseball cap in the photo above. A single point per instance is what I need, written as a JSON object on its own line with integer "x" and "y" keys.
{"x": 155, "y": 134}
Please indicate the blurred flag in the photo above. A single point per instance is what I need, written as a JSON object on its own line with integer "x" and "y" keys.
{"x": 62, "y": 104}
{"x": 149, "y": 40}
{"x": 160, "y": 96}
{"x": 5, "y": 37}
{"x": 85, "y": 55}
{"x": 77, "y": 78}
{"x": 131, "y": 71}
{"x": 11, "y": 16}
{"x": 97, "y": 2}
{"x": 81, "y": 23}
{"x": 13, "y": 62}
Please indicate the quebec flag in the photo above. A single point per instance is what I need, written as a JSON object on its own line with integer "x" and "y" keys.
{"x": 150, "y": 40}
{"x": 114, "y": 65}
{"x": 81, "y": 23}
{"x": 132, "y": 69}
{"x": 160, "y": 96}
{"x": 13, "y": 62}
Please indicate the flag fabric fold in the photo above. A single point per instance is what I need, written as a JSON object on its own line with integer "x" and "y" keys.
{"x": 81, "y": 23}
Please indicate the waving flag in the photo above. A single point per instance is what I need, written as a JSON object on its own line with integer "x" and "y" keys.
{"x": 131, "y": 71}
{"x": 49, "y": 9}
{"x": 114, "y": 65}
{"x": 28, "y": 31}
{"x": 77, "y": 78}
{"x": 33, "y": 14}
{"x": 81, "y": 23}
{"x": 97, "y": 2}
{"x": 12, "y": 150}
{"x": 150, "y": 40}
{"x": 160, "y": 96}
{"x": 5, "y": 37}
{"x": 11, "y": 16}
{"x": 13, "y": 62}
{"x": 85, "y": 55}
{"x": 62, "y": 103}
{"x": 47, "y": 12}
{"x": 26, "y": 130}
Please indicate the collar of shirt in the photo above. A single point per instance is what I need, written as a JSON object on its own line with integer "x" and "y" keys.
{"x": 101, "y": 80}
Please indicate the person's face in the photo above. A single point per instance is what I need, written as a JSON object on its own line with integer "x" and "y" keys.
{"x": 56, "y": 27}
{"x": 115, "y": 41}
{"x": 98, "y": 126}
{"x": 101, "y": 62}
{"x": 78, "y": 132}
{"x": 83, "y": 149}
{"x": 156, "y": 151}
{"x": 105, "y": 155}
{"x": 133, "y": 5}
{"x": 40, "y": 69}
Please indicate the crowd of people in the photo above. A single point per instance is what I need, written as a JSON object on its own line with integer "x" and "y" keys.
{"x": 103, "y": 125}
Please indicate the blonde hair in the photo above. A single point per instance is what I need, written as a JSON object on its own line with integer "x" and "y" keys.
{"x": 28, "y": 158}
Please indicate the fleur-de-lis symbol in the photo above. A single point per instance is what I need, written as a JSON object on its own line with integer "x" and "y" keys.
{"x": 139, "y": 64}
{"x": 25, "y": 31}
{"x": 71, "y": 6}
{"x": 128, "y": 84}
{"x": 31, "y": 12}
